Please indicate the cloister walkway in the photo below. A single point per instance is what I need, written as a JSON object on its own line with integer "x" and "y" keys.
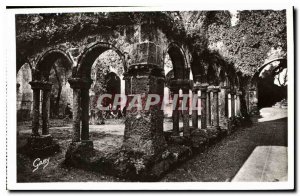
{"x": 222, "y": 161}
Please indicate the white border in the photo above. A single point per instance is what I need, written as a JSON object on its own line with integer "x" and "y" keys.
{"x": 10, "y": 61}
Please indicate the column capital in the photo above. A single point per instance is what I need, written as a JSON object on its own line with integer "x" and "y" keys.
{"x": 213, "y": 88}
{"x": 42, "y": 85}
{"x": 203, "y": 87}
{"x": 80, "y": 83}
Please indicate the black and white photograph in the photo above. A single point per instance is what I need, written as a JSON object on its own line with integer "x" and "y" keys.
{"x": 130, "y": 98}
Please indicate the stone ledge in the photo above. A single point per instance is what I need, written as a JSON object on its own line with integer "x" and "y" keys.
{"x": 129, "y": 165}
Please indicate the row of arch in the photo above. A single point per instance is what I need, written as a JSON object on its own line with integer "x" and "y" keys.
{"x": 214, "y": 75}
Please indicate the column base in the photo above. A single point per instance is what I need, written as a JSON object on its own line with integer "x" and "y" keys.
{"x": 79, "y": 153}
{"x": 40, "y": 146}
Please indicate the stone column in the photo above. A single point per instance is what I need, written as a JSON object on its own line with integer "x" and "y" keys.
{"x": 215, "y": 112}
{"x": 238, "y": 103}
{"x": 203, "y": 89}
{"x": 208, "y": 107}
{"x": 45, "y": 110}
{"x": 195, "y": 109}
{"x": 75, "y": 84}
{"x": 226, "y": 103}
{"x": 232, "y": 98}
{"x": 85, "y": 104}
{"x": 35, "y": 86}
{"x": 223, "y": 110}
{"x": 175, "y": 111}
{"x": 185, "y": 113}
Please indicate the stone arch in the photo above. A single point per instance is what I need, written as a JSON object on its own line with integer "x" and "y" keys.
{"x": 263, "y": 87}
{"x": 46, "y": 61}
{"x": 179, "y": 61}
{"x": 283, "y": 63}
{"x": 88, "y": 57}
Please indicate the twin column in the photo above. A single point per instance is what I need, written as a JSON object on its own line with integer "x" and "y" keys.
{"x": 176, "y": 111}
{"x": 207, "y": 112}
{"x": 80, "y": 108}
{"x": 45, "y": 88}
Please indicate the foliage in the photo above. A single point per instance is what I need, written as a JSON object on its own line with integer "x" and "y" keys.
{"x": 248, "y": 44}
{"x": 256, "y": 37}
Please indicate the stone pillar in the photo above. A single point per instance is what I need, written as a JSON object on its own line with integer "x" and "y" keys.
{"x": 85, "y": 104}
{"x": 36, "y": 107}
{"x": 144, "y": 128}
{"x": 215, "y": 112}
{"x": 238, "y": 103}
{"x": 203, "y": 89}
{"x": 75, "y": 84}
{"x": 226, "y": 104}
{"x": 208, "y": 100}
{"x": 195, "y": 109}
{"x": 45, "y": 110}
{"x": 185, "y": 113}
{"x": 223, "y": 109}
{"x": 175, "y": 111}
{"x": 232, "y": 98}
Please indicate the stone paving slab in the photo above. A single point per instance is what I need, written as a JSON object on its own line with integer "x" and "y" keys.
{"x": 265, "y": 164}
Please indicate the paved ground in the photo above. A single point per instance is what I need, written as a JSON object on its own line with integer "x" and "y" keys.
{"x": 265, "y": 164}
{"x": 220, "y": 162}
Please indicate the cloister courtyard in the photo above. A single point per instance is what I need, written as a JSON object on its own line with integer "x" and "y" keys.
{"x": 206, "y": 91}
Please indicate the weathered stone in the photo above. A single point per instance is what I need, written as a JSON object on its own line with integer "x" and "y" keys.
{"x": 144, "y": 128}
